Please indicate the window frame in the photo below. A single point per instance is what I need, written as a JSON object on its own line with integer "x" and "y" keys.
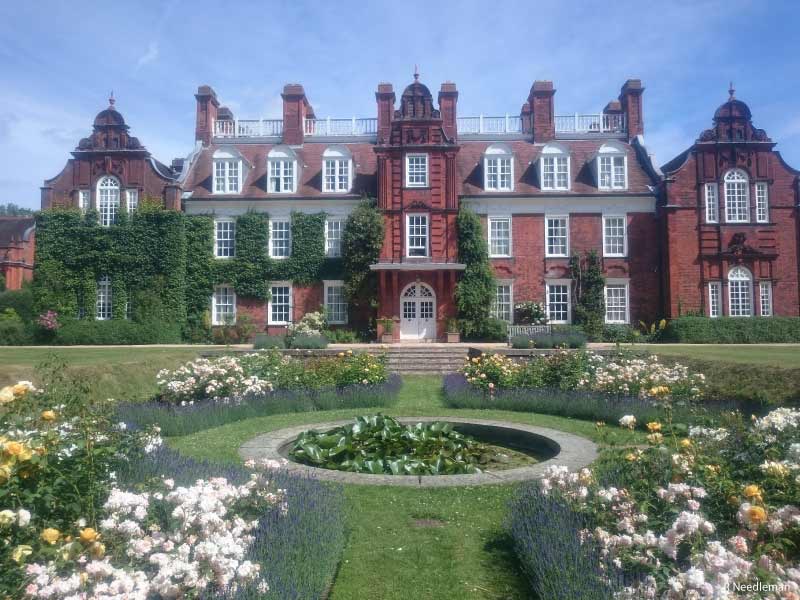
{"x": 215, "y": 315}
{"x": 270, "y": 302}
{"x": 495, "y": 218}
{"x": 232, "y": 222}
{"x": 714, "y": 287}
{"x": 612, "y": 152}
{"x": 547, "y": 252}
{"x": 509, "y": 283}
{"x": 131, "y": 200}
{"x": 549, "y": 283}
{"x": 502, "y": 157}
{"x": 339, "y": 157}
{"x": 746, "y": 188}
{"x": 711, "y": 205}
{"x": 408, "y": 182}
{"x": 762, "y": 202}
{"x": 616, "y": 283}
{"x": 555, "y": 153}
{"x": 765, "y": 285}
{"x": 84, "y": 199}
{"x": 748, "y": 287}
{"x": 427, "y": 235}
{"x": 226, "y": 177}
{"x": 104, "y": 311}
{"x": 271, "y": 237}
{"x": 341, "y": 221}
{"x": 327, "y": 285}
{"x": 108, "y": 217}
{"x": 624, "y": 253}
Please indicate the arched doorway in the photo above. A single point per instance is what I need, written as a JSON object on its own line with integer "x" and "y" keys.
{"x": 417, "y": 312}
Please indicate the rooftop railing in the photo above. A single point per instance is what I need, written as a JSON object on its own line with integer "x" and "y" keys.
{"x": 596, "y": 123}
{"x": 491, "y": 125}
{"x": 341, "y": 127}
{"x": 248, "y": 128}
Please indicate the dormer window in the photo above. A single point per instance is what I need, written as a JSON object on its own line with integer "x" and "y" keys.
{"x": 228, "y": 170}
{"x": 554, "y": 168}
{"x": 737, "y": 197}
{"x": 108, "y": 200}
{"x": 612, "y": 167}
{"x": 498, "y": 169}
{"x": 282, "y": 168}
{"x": 337, "y": 168}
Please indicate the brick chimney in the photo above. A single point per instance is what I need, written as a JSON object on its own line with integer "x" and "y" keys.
{"x": 543, "y": 111}
{"x": 207, "y": 105}
{"x": 525, "y": 118}
{"x": 172, "y": 196}
{"x": 47, "y": 197}
{"x": 385, "y": 98}
{"x": 630, "y": 97}
{"x": 295, "y": 110}
{"x": 448, "y": 98}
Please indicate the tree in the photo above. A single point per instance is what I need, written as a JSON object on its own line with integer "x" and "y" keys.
{"x": 362, "y": 240}
{"x": 589, "y": 293}
{"x": 10, "y": 209}
{"x": 475, "y": 292}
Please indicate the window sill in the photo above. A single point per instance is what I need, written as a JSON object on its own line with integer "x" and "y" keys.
{"x": 556, "y": 255}
{"x": 224, "y": 257}
{"x": 501, "y": 256}
{"x": 615, "y": 256}
{"x": 279, "y": 257}
{"x": 417, "y": 187}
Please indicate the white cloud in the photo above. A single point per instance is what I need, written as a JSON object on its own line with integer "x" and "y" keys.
{"x": 149, "y": 56}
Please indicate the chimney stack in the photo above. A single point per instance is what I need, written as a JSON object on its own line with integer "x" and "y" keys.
{"x": 543, "y": 111}
{"x": 295, "y": 111}
{"x": 630, "y": 97}
{"x": 448, "y": 99}
{"x": 207, "y": 105}
{"x": 385, "y": 98}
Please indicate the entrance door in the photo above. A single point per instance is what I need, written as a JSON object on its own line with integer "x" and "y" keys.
{"x": 418, "y": 313}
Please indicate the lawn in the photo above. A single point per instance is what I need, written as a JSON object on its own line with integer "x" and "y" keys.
{"x": 785, "y": 356}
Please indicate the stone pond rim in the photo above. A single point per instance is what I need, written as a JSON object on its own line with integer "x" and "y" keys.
{"x": 565, "y": 449}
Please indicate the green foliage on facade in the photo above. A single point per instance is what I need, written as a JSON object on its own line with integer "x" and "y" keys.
{"x": 362, "y": 240}
{"x": 475, "y": 291}
{"x": 589, "y": 293}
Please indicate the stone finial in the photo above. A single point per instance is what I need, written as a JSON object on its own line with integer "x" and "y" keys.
{"x": 731, "y": 92}
{"x": 111, "y": 100}
{"x": 416, "y": 73}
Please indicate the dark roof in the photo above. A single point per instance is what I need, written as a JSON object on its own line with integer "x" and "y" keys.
{"x": 109, "y": 116}
{"x": 15, "y": 229}
{"x": 676, "y": 162}
{"x": 733, "y": 108}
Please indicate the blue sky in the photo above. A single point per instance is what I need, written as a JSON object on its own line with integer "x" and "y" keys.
{"x": 60, "y": 60}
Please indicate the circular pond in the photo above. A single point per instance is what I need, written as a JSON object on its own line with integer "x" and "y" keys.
{"x": 525, "y": 451}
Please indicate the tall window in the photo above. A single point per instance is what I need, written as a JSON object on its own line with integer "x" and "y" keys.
{"x": 416, "y": 170}
{"x": 224, "y": 238}
{"x": 498, "y": 169}
{"x": 558, "y": 310}
{"x": 617, "y": 303}
{"x": 223, "y": 306}
{"x": 737, "y": 197}
{"x": 502, "y": 307}
{"x": 333, "y": 237}
{"x": 612, "y": 168}
{"x": 554, "y": 168}
{"x": 282, "y": 164}
{"x": 279, "y": 309}
{"x": 336, "y": 166}
{"x": 108, "y": 200}
{"x": 499, "y": 236}
{"x": 335, "y": 302}
{"x": 740, "y": 292}
{"x": 765, "y": 297}
{"x": 614, "y": 236}
{"x": 280, "y": 239}
{"x": 417, "y": 235}
{"x": 84, "y": 200}
{"x": 762, "y": 202}
{"x": 103, "y": 303}
{"x": 227, "y": 174}
{"x": 556, "y": 235}
{"x": 714, "y": 299}
{"x": 132, "y": 200}
{"x": 712, "y": 204}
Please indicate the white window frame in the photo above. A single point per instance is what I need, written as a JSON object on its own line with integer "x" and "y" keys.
{"x": 509, "y": 283}
{"x": 558, "y": 283}
{"x": 274, "y": 284}
{"x": 109, "y": 198}
{"x": 498, "y": 160}
{"x": 547, "y": 252}
{"x": 714, "y": 299}
{"x": 272, "y": 253}
{"x": 338, "y": 158}
{"x": 495, "y": 219}
{"x": 711, "y": 200}
{"x": 606, "y": 238}
{"x": 417, "y": 184}
{"x": 232, "y": 239}
{"x": 216, "y": 317}
{"x": 748, "y": 288}
{"x": 334, "y": 251}
{"x": 765, "y": 298}
{"x": 762, "y": 202}
{"x": 737, "y": 177}
{"x": 84, "y": 200}
{"x": 131, "y": 199}
{"x": 327, "y": 285}
{"x": 617, "y": 283}
{"x": 427, "y": 235}
{"x": 557, "y": 154}
{"x": 225, "y": 181}
{"x": 104, "y": 299}
{"x": 612, "y": 153}
{"x": 280, "y": 160}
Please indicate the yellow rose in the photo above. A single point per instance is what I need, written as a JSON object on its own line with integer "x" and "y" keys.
{"x": 14, "y": 448}
{"x": 19, "y": 553}
{"x": 50, "y": 535}
{"x": 97, "y": 550}
{"x": 340, "y": 355}
{"x": 48, "y": 415}
{"x": 88, "y": 535}
{"x": 686, "y": 443}
{"x": 757, "y": 515}
{"x": 631, "y": 457}
{"x": 6, "y": 395}
{"x": 752, "y": 491}
{"x": 654, "y": 427}
{"x": 655, "y": 438}
{"x": 19, "y": 390}
{"x": 5, "y": 473}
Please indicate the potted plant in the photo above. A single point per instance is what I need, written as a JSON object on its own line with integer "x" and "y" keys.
{"x": 453, "y": 335}
{"x": 387, "y": 324}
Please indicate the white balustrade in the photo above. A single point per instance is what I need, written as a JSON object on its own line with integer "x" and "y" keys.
{"x": 482, "y": 124}
{"x": 592, "y": 123}
{"x": 248, "y": 128}
{"x": 340, "y": 127}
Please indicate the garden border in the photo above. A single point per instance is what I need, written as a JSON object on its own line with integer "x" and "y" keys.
{"x": 574, "y": 452}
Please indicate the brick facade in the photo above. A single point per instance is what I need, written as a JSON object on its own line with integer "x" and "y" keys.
{"x": 17, "y": 243}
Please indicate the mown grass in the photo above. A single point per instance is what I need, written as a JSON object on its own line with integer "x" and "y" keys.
{"x": 783, "y": 356}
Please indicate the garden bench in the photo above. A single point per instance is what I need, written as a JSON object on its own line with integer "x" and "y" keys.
{"x": 514, "y": 330}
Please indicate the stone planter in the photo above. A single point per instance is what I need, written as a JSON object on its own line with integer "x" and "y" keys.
{"x": 453, "y": 338}
{"x": 387, "y": 338}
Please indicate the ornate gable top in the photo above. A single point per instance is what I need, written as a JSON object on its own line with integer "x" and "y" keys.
{"x": 416, "y": 101}
{"x": 110, "y": 132}
{"x": 733, "y": 123}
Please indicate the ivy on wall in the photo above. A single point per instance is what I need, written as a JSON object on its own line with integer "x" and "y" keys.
{"x": 589, "y": 293}
{"x": 362, "y": 240}
{"x": 476, "y": 290}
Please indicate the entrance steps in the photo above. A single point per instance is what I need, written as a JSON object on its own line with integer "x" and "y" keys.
{"x": 424, "y": 360}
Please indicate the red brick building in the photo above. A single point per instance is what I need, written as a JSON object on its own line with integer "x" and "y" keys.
{"x": 545, "y": 185}
{"x": 17, "y": 241}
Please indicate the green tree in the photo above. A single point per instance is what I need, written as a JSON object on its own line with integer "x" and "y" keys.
{"x": 475, "y": 292}
{"x": 9, "y": 209}
{"x": 589, "y": 293}
{"x": 362, "y": 240}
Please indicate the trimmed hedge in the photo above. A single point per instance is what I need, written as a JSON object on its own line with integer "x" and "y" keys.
{"x": 549, "y": 340}
{"x": 732, "y": 330}
{"x": 121, "y": 332}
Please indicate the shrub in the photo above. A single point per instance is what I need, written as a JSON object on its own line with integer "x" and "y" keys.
{"x": 267, "y": 342}
{"x": 549, "y": 340}
{"x": 86, "y": 333}
{"x": 342, "y": 336}
{"x": 307, "y": 342}
{"x": 620, "y": 334}
{"x": 530, "y": 313}
{"x": 21, "y": 301}
{"x": 15, "y": 333}
{"x": 362, "y": 240}
{"x": 476, "y": 289}
{"x": 589, "y": 290}
{"x": 731, "y": 330}
{"x": 490, "y": 330}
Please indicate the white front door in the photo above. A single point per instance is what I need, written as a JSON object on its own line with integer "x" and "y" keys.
{"x": 418, "y": 313}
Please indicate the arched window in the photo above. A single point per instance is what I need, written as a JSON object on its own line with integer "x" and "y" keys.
{"x": 612, "y": 167}
{"x": 740, "y": 292}
{"x": 737, "y": 196}
{"x": 228, "y": 171}
{"x": 282, "y": 170}
{"x": 108, "y": 200}
{"x": 337, "y": 169}
{"x": 554, "y": 168}
{"x": 498, "y": 168}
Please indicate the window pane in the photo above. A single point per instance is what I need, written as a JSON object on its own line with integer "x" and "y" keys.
{"x": 614, "y": 236}
{"x": 280, "y": 239}
{"x": 712, "y": 206}
{"x": 562, "y": 172}
{"x": 108, "y": 200}
{"x": 417, "y": 170}
{"x": 501, "y": 308}
{"x": 558, "y": 303}
{"x": 133, "y": 200}
{"x": 556, "y": 236}
{"x": 500, "y": 237}
{"x": 335, "y": 304}
{"x": 617, "y": 303}
{"x": 762, "y": 203}
{"x": 549, "y": 173}
{"x": 605, "y": 171}
{"x": 417, "y": 235}
{"x": 765, "y": 293}
{"x": 225, "y": 239}
{"x": 103, "y": 302}
{"x": 333, "y": 237}
{"x": 740, "y": 293}
{"x": 619, "y": 172}
{"x": 279, "y": 304}
{"x": 714, "y": 299}
{"x": 224, "y": 307}
{"x": 737, "y": 197}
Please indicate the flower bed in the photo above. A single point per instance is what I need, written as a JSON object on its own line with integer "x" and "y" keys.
{"x": 691, "y": 517}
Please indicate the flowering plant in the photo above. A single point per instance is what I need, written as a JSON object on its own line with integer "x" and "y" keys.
{"x": 48, "y": 320}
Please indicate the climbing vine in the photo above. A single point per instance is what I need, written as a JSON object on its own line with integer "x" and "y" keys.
{"x": 476, "y": 289}
{"x": 362, "y": 240}
{"x": 589, "y": 293}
